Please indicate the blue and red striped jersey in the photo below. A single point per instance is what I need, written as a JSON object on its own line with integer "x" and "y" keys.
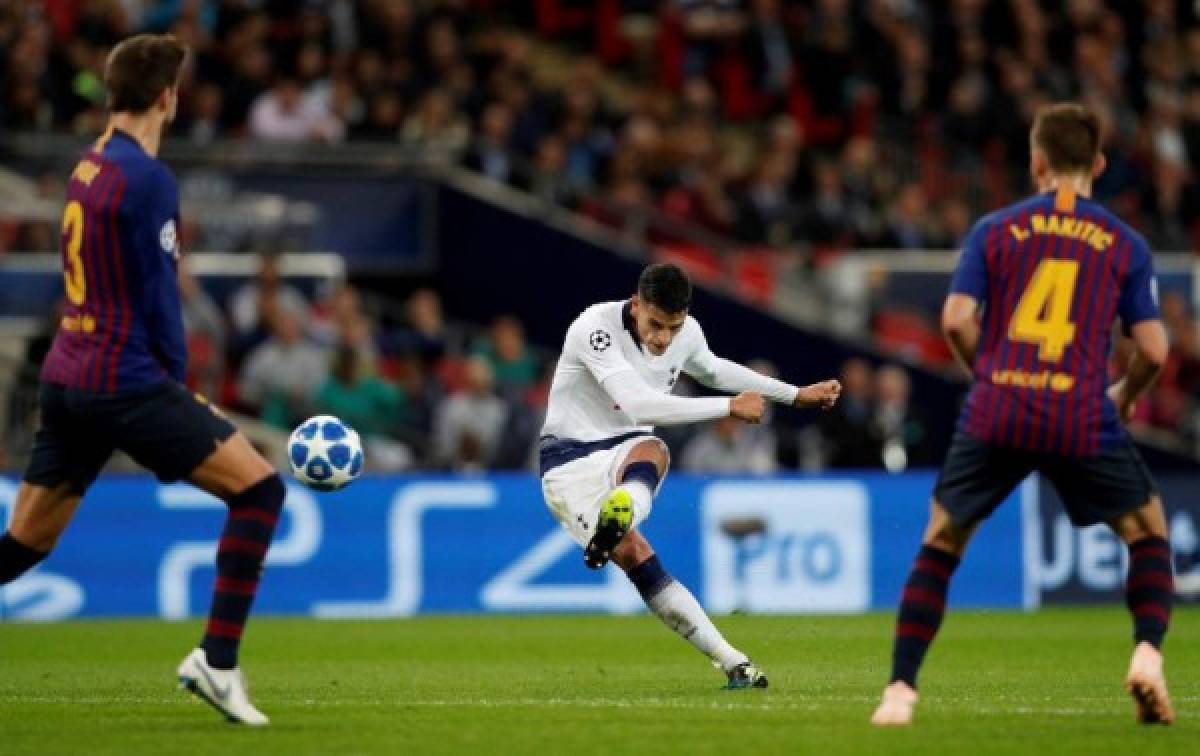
{"x": 122, "y": 327}
{"x": 1052, "y": 273}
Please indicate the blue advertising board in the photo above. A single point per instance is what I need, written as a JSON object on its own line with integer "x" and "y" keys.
{"x": 1089, "y": 565}
{"x": 396, "y": 546}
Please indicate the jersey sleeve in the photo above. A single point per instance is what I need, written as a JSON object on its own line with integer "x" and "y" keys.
{"x": 155, "y": 212}
{"x": 971, "y": 275}
{"x": 725, "y": 375}
{"x": 592, "y": 343}
{"x": 1139, "y": 291}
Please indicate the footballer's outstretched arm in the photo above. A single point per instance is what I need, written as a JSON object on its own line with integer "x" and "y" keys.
{"x": 726, "y": 375}
{"x": 594, "y": 347}
{"x": 649, "y": 407}
{"x": 961, "y": 328}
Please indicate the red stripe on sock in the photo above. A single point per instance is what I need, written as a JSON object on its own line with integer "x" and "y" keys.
{"x": 1150, "y": 551}
{"x": 242, "y": 545}
{"x": 924, "y": 564}
{"x": 913, "y": 630}
{"x": 233, "y": 585}
{"x": 924, "y": 596}
{"x": 1156, "y": 579}
{"x": 1152, "y": 609}
{"x": 260, "y": 515}
{"x": 220, "y": 629}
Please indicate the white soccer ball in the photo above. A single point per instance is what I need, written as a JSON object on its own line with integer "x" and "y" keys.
{"x": 325, "y": 453}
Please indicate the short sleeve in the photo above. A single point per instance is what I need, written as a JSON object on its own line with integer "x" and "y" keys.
{"x": 594, "y": 344}
{"x": 971, "y": 275}
{"x": 1139, "y": 291}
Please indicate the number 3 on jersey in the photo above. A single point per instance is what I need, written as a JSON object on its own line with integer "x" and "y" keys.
{"x": 72, "y": 228}
{"x": 1043, "y": 315}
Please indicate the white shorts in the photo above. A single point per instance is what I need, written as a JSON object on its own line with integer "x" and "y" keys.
{"x": 576, "y": 491}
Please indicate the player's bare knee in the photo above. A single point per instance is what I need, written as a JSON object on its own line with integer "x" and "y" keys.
{"x": 36, "y": 535}
{"x": 1148, "y": 521}
{"x": 234, "y": 467}
{"x": 653, "y": 451}
{"x": 42, "y": 514}
{"x": 943, "y": 534}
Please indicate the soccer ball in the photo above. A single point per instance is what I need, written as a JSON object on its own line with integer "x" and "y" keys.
{"x": 325, "y": 453}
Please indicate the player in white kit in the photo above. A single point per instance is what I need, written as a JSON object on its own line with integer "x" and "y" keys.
{"x": 601, "y": 464}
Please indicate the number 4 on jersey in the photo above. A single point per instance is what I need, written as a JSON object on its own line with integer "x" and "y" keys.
{"x": 1043, "y": 315}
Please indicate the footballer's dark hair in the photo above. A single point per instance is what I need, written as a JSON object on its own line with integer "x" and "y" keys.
{"x": 140, "y": 68}
{"x": 1069, "y": 135}
{"x": 666, "y": 287}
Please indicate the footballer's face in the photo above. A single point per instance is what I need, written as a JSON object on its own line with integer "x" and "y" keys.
{"x": 656, "y": 327}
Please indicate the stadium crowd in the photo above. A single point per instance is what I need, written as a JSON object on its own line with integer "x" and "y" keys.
{"x": 804, "y": 126}
{"x": 428, "y": 392}
{"x": 825, "y": 124}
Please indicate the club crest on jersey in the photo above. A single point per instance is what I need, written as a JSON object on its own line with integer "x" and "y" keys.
{"x": 168, "y": 239}
{"x": 600, "y": 340}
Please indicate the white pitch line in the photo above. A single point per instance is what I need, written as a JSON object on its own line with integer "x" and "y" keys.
{"x": 822, "y": 703}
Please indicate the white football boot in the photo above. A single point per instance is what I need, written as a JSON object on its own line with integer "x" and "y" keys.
{"x": 223, "y": 689}
{"x": 896, "y": 708}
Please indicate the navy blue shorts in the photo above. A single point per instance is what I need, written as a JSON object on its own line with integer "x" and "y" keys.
{"x": 164, "y": 428}
{"x": 977, "y": 476}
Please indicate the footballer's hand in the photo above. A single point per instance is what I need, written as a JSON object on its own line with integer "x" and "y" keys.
{"x": 821, "y": 395}
{"x": 747, "y": 406}
{"x": 1125, "y": 407}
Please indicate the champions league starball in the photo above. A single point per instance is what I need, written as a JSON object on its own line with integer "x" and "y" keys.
{"x": 325, "y": 453}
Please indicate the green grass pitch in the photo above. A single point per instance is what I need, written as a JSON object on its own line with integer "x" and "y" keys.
{"x": 1048, "y": 682}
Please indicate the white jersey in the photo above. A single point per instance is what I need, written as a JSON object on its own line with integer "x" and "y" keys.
{"x": 607, "y": 385}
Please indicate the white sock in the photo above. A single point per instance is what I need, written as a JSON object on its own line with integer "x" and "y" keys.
{"x": 680, "y": 611}
{"x": 643, "y": 498}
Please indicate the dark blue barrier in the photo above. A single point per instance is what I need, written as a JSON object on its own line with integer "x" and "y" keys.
{"x": 391, "y": 546}
{"x": 375, "y": 222}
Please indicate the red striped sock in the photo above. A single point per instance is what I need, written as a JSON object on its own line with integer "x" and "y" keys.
{"x": 921, "y": 609}
{"x": 1150, "y": 589}
{"x": 240, "y": 554}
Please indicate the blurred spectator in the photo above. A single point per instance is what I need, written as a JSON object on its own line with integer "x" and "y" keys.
{"x": 202, "y": 122}
{"x": 205, "y": 328}
{"x": 437, "y": 126}
{"x": 491, "y": 153}
{"x": 467, "y": 426}
{"x": 253, "y": 299}
{"x": 707, "y": 26}
{"x": 425, "y": 334}
{"x": 846, "y": 429}
{"x": 898, "y": 426}
{"x": 513, "y": 365}
{"x": 283, "y": 114}
{"x": 547, "y": 178}
{"x": 370, "y": 405}
{"x": 281, "y": 375}
{"x": 906, "y": 225}
{"x": 730, "y": 447}
{"x": 766, "y": 211}
{"x": 384, "y": 116}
